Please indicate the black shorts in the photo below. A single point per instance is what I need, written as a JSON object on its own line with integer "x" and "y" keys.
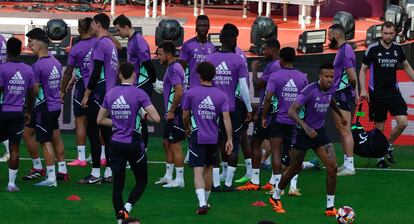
{"x": 32, "y": 123}
{"x": 133, "y": 152}
{"x": 258, "y": 131}
{"x": 237, "y": 120}
{"x": 345, "y": 99}
{"x": 174, "y": 129}
{"x": 46, "y": 122}
{"x": 241, "y": 106}
{"x": 304, "y": 142}
{"x": 279, "y": 130}
{"x": 380, "y": 104}
{"x": 97, "y": 96}
{"x": 12, "y": 125}
{"x": 202, "y": 154}
{"x": 78, "y": 93}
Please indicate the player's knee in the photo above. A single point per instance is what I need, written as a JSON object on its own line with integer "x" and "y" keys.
{"x": 402, "y": 124}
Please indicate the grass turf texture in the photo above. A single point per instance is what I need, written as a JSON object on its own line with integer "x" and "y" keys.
{"x": 376, "y": 196}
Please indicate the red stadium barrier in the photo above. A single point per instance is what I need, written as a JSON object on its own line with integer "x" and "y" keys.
{"x": 407, "y": 91}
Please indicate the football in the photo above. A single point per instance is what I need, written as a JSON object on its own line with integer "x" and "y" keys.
{"x": 345, "y": 215}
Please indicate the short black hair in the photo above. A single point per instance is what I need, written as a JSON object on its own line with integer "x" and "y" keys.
{"x": 14, "y": 47}
{"x": 122, "y": 21}
{"x": 42, "y": 38}
{"x": 287, "y": 54}
{"x": 232, "y": 27}
{"x": 206, "y": 70}
{"x": 272, "y": 43}
{"x": 85, "y": 23}
{"x": 126, "y": 69}
{"x": 34, "y": 32}
{"x": 102, "y": 19}
{"x": 226, "y": 35}
{"x": 129, "y": 220}
{"x": 388, "y": 24}
{"x": 168, "y": 47}
{"x": 338, "y": 27}
{"x": 202, "y": 17}
{"x": 326, "y": 65}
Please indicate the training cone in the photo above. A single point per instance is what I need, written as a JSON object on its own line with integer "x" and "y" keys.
{"x": 73, "y": 197}
{"x": 259, "y": 204}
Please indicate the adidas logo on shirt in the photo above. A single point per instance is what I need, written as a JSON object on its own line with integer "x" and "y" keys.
{"x": 3, "y": 48}
{"x": 120, "y": 103}
{"x": 88, "y": 56}
{"x": 114, "y": 55}
{"x": 222, "y": 69}
{"x": 290, "y": 86}
{"x": 17, "y": 79}
{"x": 207, "y": 103}
{"x": 55, "y": 74}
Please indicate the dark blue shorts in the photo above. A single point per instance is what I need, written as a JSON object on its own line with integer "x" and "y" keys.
{"x": 202, "y": 154}
{"x": 345, "y": 99}
{"x": 237, "y": 120}
{"x": 78, "y": 93}
{"x": 174, "y": 129}
{"x": 304, "y": 142}
{"x": 46, "y": 122}
{"x": 12, "y": 125}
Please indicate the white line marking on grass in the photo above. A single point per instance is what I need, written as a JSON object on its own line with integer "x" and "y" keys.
{"x": 367, "y": 169}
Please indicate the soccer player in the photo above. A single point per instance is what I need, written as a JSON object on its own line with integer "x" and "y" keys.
{"x": 345, "y": 83}
{"x": 195, "y": 50}
{"x": 314, "y": 102}
{"x": 244, "y": 141}
{"x": 47, "y": 76}
{"x": 231, "y": 70}
{"x": 383, "y": 58}
{"x": 138, "y": 53}
{"x": 29, "y": 131}
{"x": 282, "y": 89}
{"x": 174, "y": 132}
{"x": 3, "y": 59}
{"x": 79, "y": 61}
{"x": 103, "y": 75}
{"x": 202, "y": 107}
{"x": 123, "y": 103}
{"x": 271, "y": 52}
{"x": 16, "y": 82}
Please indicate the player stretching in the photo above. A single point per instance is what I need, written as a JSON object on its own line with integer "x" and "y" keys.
{"x": 313, "y": 103}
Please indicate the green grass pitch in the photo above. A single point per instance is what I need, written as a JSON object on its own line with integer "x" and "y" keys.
{"x": 377, "y": 196}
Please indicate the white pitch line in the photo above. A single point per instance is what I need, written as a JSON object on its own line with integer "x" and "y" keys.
{"x": 367, "y": 169}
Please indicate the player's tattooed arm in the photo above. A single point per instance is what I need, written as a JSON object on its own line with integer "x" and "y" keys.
{"x": 337, "y": 111}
